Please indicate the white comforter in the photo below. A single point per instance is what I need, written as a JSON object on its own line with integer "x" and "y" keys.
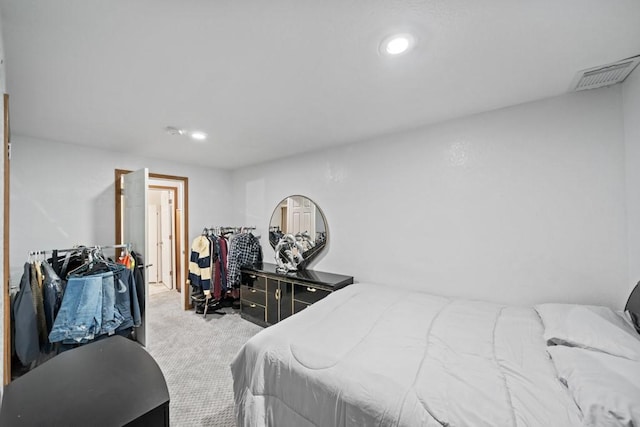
{"x": 365, "y": 356}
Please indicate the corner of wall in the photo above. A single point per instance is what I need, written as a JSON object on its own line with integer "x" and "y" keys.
{"x": 631, "y": 112}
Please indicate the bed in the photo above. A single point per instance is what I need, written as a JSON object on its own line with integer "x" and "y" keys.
{"x": 365, "y": 357}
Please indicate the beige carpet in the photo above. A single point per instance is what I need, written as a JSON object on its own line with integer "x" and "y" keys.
{"x": 194, "y": 354}
{"x": 156, "y": 288}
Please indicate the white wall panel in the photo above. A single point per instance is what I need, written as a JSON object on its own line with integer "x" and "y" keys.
{"x": 63, "y": 195}
{"x": 631, "y": 106}
{"x": 519, "y": 205}
{"x": 3, "y": 89}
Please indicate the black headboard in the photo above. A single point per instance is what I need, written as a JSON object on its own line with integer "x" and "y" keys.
{"x": 633, "y": 306}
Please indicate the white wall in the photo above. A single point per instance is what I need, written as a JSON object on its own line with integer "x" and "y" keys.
{"x": 63, "y": 195}
{"x": 3, "y": 89}
{"x": 631, "y": 107}
{"x": 520, "y": 205}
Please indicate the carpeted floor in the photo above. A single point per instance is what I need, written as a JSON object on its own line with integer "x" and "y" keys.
{"x": 194, "y": 355}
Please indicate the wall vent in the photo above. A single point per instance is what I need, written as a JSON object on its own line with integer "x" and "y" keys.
{"x": 605, "y": 75}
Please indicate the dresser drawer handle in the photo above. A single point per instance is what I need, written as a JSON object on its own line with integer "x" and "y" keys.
{"x": 311, "y": 289}
{"x": 252, "y": 276}
{"x": 253, "y": 291}
{"x": 252, "y": 305}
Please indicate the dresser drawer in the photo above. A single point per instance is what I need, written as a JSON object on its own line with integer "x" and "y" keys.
{"x": 254, "y": 281}
{"x": 252, "y": 295}
{"x": 308, "y": 294}
{"x": 253, "y": 310}
{"x": 298, "y": 306}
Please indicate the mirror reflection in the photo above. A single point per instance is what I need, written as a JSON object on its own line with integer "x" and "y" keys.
{"x": 298, "y": 230}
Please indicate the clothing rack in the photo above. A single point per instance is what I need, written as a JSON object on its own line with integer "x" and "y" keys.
{"x": 82, "y": 248}
{"x": 217, "y": 232}
{"x": 220, "y": 230}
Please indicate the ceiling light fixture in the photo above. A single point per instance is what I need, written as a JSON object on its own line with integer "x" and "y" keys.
{"x": 172, "y": 130}
{"x": 397, "y": 44}
{"x": 198, "y": 136}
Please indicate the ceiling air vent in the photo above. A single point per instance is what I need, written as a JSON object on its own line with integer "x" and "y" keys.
{"x": 605, "y": 75}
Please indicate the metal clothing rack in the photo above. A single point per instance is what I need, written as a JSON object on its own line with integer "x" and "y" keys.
{"x": 220, "y": 230}
{"x": 126, "y": 246}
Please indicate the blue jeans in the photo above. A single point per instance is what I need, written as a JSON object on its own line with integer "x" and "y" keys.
{"x": 80, "y": 315}
{"x": 111, "y": 318}
{"x": 127, "y": 299}
{"x": 88, "y": 309}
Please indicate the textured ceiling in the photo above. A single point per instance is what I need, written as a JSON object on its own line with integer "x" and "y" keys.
{"x": 270, "y": 78}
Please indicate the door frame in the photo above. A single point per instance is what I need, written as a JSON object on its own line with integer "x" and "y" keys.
{"x": 5, "y": 261}
{"x": 184, "y": 290}
{"x": 175, "y": 235}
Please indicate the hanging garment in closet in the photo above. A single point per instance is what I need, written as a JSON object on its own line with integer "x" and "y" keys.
{"x": 24, "y": 313}
{"x": 38, "y": 302}
{"x": 88, "y": 309}
{"x": 126, "y": 299}
{"x": 244, "y": 250}
{"x": 52, "y": 292}
{"x": 138, "y": 275}
{"x": 200, "y": 263}
{"x": 220, "y": 267}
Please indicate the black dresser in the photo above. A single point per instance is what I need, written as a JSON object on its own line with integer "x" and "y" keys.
{"x": 266, "y": 296}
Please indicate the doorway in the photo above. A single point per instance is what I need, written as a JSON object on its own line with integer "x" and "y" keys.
{"x": 161, "y": 232}
{"x": 175, "y": 253}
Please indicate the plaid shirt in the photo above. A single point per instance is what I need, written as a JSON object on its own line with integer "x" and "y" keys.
{"x": 244, "y": 249}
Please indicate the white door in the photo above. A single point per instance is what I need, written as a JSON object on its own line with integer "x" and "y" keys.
{"x": 166, "y": 246}
{"x": 134, "y": 228}
{"x": 154, "y": 242}
{"x": 302, "y": 216}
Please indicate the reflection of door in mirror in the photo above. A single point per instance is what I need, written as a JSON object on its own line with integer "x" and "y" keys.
{"x": 283, "y": 219}
{"x": 302, "y": 216}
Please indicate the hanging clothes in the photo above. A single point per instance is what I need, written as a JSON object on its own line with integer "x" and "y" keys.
{"x": 244, "y": 250}
{"x": 126, "y": 299}
{"x": 52, "y": 291}
{"x": 38, "y": 302}
{"x": 99, "y": 298}
{"x": 200, "y": 264}
{"x": 207, "y": 273}
{"x": 221, "y": 265}
{"x": 138, "y": 276}
{"x": 26, "y": 342}
{"x": 89, "y": 304}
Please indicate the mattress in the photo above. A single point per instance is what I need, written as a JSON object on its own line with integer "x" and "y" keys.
{"x": 366, "y": 356}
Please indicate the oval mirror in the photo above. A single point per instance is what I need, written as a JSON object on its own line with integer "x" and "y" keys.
{"x": 298, "y": 217}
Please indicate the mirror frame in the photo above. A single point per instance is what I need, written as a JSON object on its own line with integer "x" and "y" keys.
{"x": 311, "y": 253}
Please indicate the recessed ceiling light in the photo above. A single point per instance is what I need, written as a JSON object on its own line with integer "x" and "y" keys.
{"x": 198, "y": 136}
{"x": 397, "y": 44}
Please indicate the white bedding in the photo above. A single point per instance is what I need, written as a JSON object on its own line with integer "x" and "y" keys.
{"x": 606, "y": 387}
{"x": 364, "y": 356}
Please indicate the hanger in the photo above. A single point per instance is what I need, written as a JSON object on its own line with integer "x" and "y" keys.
{"x": 95, "y": 259}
